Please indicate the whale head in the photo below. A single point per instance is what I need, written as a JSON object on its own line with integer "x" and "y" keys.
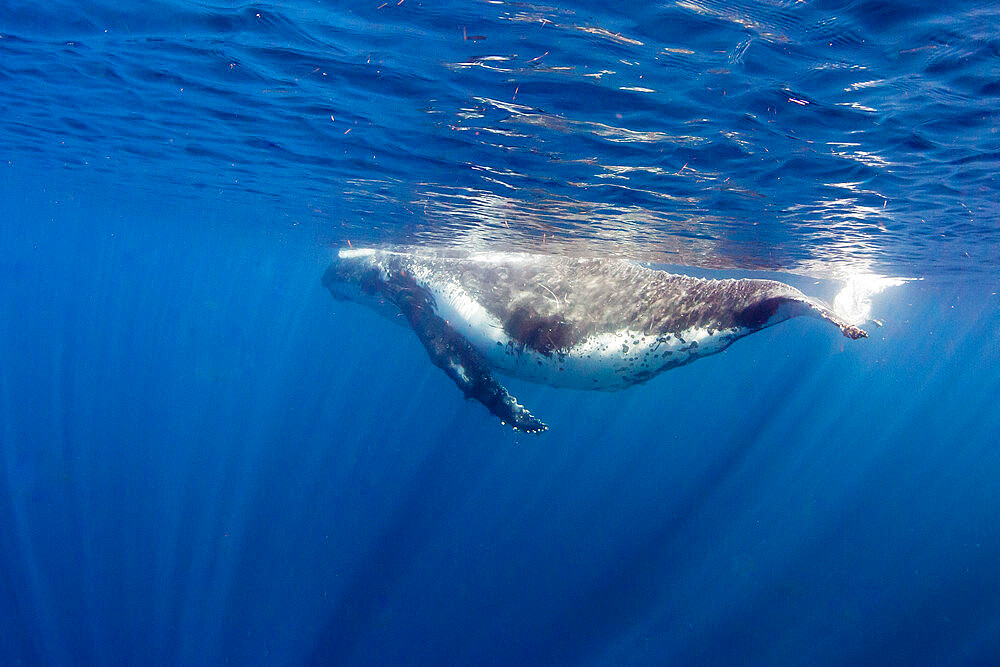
{"x": 358, "y": 276}
{"x": 353, "y": 275}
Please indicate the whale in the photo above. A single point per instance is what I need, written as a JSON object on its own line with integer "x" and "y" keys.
{"x": 570, "y": 322}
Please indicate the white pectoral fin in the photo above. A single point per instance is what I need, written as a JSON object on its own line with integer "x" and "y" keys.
{"x": 468, "y": 369}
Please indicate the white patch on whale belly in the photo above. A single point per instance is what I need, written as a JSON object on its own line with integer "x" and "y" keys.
{"x": 611, "y": 361}
{"x": 607, "y": 361}
{"x": 620, "y": 359}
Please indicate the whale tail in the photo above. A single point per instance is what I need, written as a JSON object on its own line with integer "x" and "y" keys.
{"x": 820, "y": 311}
{"x": 852, "y": 331}
{"x": 792, "y": 303}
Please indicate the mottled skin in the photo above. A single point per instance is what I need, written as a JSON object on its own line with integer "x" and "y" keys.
{"x": 448, "y": 350}
{"x": 552, "y": 304}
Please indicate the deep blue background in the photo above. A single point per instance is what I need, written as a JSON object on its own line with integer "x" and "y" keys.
{"x": 204, "y": 458}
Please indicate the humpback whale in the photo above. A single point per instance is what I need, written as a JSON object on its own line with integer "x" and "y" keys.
{"x": 585, "y": 323}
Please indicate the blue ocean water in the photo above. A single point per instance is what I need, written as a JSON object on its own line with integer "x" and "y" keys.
{"x": 204, "y": 459}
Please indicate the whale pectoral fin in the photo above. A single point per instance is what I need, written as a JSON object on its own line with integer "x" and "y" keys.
{"x": 453, "y": 354}
{"x": 478, "y": 383}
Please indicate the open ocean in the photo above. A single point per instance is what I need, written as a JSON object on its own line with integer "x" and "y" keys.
{"x": 205, "y": 459}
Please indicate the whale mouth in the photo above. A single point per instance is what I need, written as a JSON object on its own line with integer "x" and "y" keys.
{"x": 340, "y": 286}
{"x": 342, "y": 291}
